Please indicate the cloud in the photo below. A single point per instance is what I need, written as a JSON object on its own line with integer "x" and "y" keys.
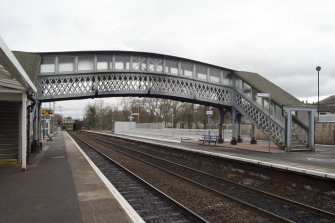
{"x": 282, "y": 40}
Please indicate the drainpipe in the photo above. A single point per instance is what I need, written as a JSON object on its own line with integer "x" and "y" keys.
{"x": 30, "y": 109}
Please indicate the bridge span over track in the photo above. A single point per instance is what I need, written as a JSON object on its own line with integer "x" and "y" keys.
{"x": 90, "y": 74}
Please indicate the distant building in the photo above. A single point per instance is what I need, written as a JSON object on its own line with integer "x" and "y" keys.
{"x": 68, "y": 124}
{"x": 327, "y": 109}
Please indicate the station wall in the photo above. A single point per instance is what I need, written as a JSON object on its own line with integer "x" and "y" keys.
{"x": 325, "y": 133}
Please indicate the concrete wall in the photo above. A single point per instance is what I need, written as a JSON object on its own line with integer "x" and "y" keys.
{"x": 325, "y": 133}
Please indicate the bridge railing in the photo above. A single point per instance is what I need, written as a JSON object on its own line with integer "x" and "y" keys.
{"x": 260, "y": 117}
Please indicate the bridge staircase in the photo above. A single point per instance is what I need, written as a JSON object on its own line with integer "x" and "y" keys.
{"x": 260, "y": 117}
{"x": 299, "y": 135}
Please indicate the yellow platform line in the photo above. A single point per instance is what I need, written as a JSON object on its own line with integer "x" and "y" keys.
{"x": 8, "y": 162}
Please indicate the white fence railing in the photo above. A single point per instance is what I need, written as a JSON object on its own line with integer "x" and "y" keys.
{"x": 327, "y": 118}
{"x": 156, "y": 130}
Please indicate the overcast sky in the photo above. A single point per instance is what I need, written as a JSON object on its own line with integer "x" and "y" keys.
{"x": 283, "y": 40}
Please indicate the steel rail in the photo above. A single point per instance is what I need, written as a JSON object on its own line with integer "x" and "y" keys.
{"x": 194, "y": 216}
{"x": 280, "y": 199}
{"x": 262, "y": 212}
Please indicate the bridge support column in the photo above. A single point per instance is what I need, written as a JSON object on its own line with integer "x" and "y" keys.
{"x": 36, "y": 145}
{"x": 289, "y": 130}
{"x": 221, "y": 130}
{"x": 233, "y": 126}
{"x": 239, "y": 119}
{"x": 40, "y": 123}
{"x": 23, "y": 133}
{"x": 253, "y": 135}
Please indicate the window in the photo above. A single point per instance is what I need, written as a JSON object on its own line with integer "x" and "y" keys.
{"x": 278, "y": 113}
{"x": 266, "y": 103}
{"x": 155, "y": 65}
{"x": 227, "y": 78}
{"x": 122, "y": 62}
{"x": 187, "y": 69}
{"x": 48, "y": 65}
{"x": 85, "y": 63}
{"x": 257, "y": 99}
{"x": 246, "y": 89}
{"x": 139, "y": 63}
{"x": 66, "y": 64}
{"x": 239, "y": 83}
{"x": 201, "y": 72}
{"x": 103, "y": 62}
{"x": 214, "y": 75}
{"x": 171, "y": 67}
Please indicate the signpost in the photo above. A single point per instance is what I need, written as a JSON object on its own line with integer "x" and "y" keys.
{"x": 209, "y": 114}
{"x": 138, "y": 116}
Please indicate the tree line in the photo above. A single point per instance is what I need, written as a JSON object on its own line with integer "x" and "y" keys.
{"x": 174, "y": 114}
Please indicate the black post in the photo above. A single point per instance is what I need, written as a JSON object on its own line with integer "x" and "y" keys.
{"x": 222, "y": 113}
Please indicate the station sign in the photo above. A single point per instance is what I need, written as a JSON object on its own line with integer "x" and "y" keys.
{"x": 47, "y": 111}
{"x": 209, "y": 112}
{"x": 263, "y": 95}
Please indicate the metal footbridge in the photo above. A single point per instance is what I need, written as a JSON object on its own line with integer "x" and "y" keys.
{"x": 91, "y": 74}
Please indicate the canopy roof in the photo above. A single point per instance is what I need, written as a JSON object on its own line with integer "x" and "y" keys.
{"x": 12, "y": 76}
{"x": 278, "y": 95}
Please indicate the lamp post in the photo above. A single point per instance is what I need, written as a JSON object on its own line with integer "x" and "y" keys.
{"x": 267, "y": 95}
{"x": 318, "y": 68}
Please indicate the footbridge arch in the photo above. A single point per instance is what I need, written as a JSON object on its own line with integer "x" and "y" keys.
{"x": 89, "y": 74}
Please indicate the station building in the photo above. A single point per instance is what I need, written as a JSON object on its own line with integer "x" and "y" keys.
{"x": 17, "y": 104}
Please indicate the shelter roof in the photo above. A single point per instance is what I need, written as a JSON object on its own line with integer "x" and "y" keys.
{"x": 12, "y": 75}
{"x": 278, "y": 95}
{"x": 327, "y": 104}
{"x": 328, "y": 100}
{"x": 30, "y": 63}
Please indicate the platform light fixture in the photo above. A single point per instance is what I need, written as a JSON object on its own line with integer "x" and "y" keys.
{"x": 267, "y": 95}
{"x": 318, "y": 68}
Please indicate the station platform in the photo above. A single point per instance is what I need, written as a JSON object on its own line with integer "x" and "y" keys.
{"x": 60, "y": 185}
{"x": 320, "y": 163}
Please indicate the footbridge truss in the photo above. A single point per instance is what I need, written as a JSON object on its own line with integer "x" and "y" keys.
{"x": 78, "y": 75}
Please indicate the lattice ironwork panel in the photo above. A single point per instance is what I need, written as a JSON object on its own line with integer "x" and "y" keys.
{"x": 55, "y": 87}
{"x": 261, "y": 119}
{"x": 67, "y": 86}
{"x": 186, "y": 88}
{"x": 51, "y": 87}
{"x": 122, "y": 83}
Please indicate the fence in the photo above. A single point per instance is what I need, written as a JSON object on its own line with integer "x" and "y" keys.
{"x": 157, "y": 130}
{"x": 327, "y": 118}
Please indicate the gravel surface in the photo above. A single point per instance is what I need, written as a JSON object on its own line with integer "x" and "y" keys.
{"x": 148, "y": 204}
{"x": 205, "y": 203}
{"x": 293, "y": 188}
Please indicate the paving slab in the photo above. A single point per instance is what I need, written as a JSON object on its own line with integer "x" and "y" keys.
{"x": 45, "y": 192}
{"x": 59, "y": 186}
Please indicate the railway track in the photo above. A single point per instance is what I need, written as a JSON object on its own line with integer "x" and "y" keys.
{"x": 151, "y": 204}
{"x": 275, "y": 208}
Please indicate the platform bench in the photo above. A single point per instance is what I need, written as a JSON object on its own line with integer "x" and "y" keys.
{"x": 209, "y": 139}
